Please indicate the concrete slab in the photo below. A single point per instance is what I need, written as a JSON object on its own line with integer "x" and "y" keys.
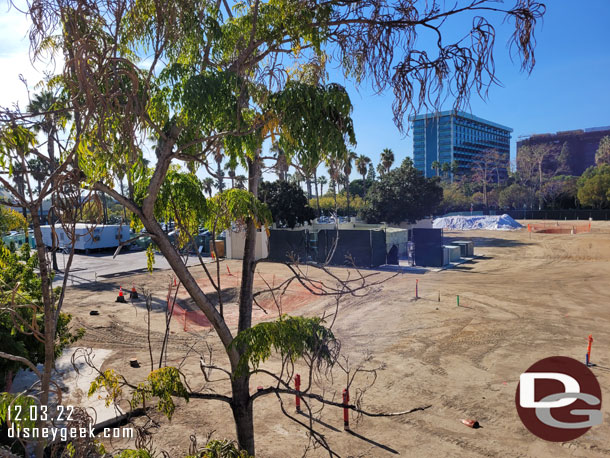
{"x": 99, "y": 266}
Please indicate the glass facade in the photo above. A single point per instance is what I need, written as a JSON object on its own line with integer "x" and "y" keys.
{"x": 456, "y": 136}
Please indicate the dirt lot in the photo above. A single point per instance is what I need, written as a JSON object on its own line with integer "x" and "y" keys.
{"x": 524, "y": 299}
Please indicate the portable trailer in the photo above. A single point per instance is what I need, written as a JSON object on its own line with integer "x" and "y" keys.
{"x": 88, "y": 237}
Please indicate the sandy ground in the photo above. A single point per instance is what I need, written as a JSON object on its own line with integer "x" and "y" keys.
{"x": 523, "y": 300}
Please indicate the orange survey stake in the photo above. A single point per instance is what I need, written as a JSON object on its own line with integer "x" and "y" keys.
{"x": 588, "y": 358}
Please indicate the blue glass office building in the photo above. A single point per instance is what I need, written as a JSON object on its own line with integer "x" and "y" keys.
{"x": 450, "y": 136}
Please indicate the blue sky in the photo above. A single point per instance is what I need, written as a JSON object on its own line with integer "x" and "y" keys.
{"x": 568, "y": 89}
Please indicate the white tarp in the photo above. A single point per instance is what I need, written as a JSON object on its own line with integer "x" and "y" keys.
{"x": 467, "y": 223}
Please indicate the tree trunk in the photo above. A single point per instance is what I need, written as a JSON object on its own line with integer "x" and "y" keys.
{"x": 49, "y": 323}
{"x": 104, "y": 209}
{"x": 24, "y": 212}
{"x": 241, "y": 407}
{"x": 540, "y": 185}
{"x": 122, "y": 193}
{"x": 315, "y": 181}
{"x": 347, "y": 194}
{"x": 219, "y": 179}
{"x": 335, "y": 196}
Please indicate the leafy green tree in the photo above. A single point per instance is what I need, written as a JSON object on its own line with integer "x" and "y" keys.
{"x": 359, "y": 188}
{"x": 515, "y": 196}
{"x": 329, "y": 204}
{"x": 287, "y": 203}
{"x": 594, "y": 187}
{"x": 18, "y": 145}
{"x": 403, "y": 194}
{"x": 560, "y": 192}
{"x": 454, "y": 198}
{"x": 216, "y": 77}
{"x": 11, "y": 220}
{"x": 602, "y": 156}
{"x": 21, "y": 324}
{"x": 539, "y": 163}
{"x": 332, "y": 120}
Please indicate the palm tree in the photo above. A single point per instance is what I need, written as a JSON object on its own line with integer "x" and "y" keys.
{"x": 44, "y": 105}
{"x": 347, "y": 170}
{"x": 362, "y": 165}
{"x": 387, "y": 159}
{"x": 436, "y": 165}
{"x": 220, "y": 185}
{"x": 315, "y": 183}
{"x": 231, "y": 170}
{"x": 19, "y": 179}
{"x": 282, "y": 164}
{"x": 39, "y": 170}
{"x": 297, "y": 177}
{"x": 455, "y": 167}
{"x": 322, "y": 181}
{"x": 381, "y": 169}
{"x": 333, "y": 167}
{"x": 207, "y": 185}
{"x": 240, "y": 181}
{"x": 446, "y": 168}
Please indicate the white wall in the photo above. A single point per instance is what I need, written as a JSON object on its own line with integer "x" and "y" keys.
{"x": 419, "y": 224}
{"x": 236, "y": 242}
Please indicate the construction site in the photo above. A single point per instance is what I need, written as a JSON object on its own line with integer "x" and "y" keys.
{"x": 451, "y": 341}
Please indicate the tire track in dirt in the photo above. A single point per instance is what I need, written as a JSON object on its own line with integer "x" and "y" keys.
{"x": 119, "y": 334}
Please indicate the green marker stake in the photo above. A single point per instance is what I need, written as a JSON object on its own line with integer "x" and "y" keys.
{"x": 458, "y": 301}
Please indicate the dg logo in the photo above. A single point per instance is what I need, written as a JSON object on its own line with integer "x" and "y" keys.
{"x": 559, "y": 399}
